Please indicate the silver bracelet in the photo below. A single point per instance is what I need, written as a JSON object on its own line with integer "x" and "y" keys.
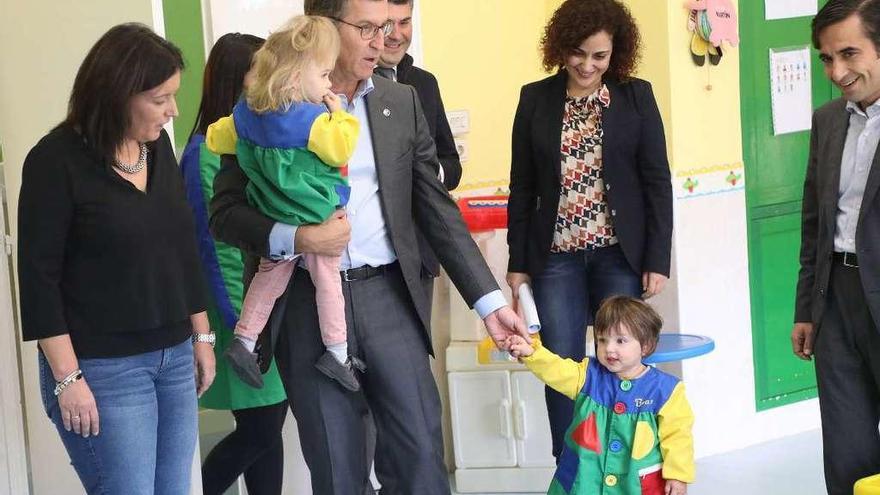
{"x": 72, "y": 377}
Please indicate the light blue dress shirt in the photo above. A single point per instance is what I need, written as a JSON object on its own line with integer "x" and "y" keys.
{"x": 862, "y": 137}
{"x": 370, "y": 243}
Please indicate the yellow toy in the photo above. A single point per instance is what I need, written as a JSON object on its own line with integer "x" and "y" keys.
{"x": 867, "y": 486}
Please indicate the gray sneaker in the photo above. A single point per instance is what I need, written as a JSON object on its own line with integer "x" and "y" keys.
{"x": 244, "y": 363}
{"x": 342, "y": 373}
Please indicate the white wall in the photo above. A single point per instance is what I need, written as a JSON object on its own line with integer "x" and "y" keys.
{"x": 257, "y": 17}
{"x": 713, "y": 298}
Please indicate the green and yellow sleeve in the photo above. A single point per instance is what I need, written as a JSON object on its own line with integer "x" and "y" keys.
{"x": 674, "y": 422}
{"x": 221, "y": 137}
{"x": 333, "y": 137}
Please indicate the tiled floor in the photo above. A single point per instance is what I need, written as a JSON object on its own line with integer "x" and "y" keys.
{"x": 452, "y": 483}
{"x": 790, "y": 466}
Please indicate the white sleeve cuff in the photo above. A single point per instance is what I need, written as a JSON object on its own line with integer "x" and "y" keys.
{"x": 281, "y": 241}
{"x": 489, "y": 303}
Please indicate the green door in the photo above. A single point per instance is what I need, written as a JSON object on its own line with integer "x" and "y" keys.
{"x": 183, "y": 27}
{"x": 774, "y": 167}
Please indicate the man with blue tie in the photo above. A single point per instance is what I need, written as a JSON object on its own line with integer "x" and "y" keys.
{"x": 394, "y": 189}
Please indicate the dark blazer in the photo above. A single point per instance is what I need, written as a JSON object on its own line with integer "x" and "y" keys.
{"x": 410, "y": 195}
{"x": 819, "y": 218}
{"x": 432, "y": 104}
{"x": 636, "y": 172}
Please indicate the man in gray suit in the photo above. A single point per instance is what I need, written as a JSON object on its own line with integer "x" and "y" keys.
{"x": 837, "y": 313}
{"x": 394, "y": 187}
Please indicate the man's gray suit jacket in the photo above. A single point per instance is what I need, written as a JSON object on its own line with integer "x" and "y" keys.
{"x": 821, "y": 191}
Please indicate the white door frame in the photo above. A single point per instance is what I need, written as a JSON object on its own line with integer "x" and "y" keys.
{"x": 13, "y": 454}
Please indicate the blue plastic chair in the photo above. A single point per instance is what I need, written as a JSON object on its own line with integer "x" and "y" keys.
{"x": 678, "y": 346}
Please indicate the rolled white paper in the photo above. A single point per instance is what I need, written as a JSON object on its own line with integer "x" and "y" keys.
{"x": 530, "y": 312}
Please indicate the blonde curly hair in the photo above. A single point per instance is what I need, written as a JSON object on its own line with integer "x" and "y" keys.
{"x": 273, "y": 82}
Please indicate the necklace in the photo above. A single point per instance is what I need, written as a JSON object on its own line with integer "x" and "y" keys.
{"x": 137, "y": 167}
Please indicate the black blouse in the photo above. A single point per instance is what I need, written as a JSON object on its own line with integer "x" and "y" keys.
{"x": 115, "y": 267}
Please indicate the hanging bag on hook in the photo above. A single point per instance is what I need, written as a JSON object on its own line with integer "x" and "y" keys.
{"x": 711, "y": 21}
{"x": 716, "y": 21}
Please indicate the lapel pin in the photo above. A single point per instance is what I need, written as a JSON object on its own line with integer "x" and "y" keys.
{"x": 386, "y": 112}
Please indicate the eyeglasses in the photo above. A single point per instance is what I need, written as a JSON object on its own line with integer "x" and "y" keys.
{"x": 370, "y": 30}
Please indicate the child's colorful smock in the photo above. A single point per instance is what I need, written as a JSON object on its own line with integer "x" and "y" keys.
{"x": 294, "y": 159}
{"x": 626, "y": 436}
{"x": 223, "y": 267}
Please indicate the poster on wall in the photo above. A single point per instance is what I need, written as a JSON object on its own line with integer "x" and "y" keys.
{"x": 786, "y": 9}
{"x": 790, "y": 89}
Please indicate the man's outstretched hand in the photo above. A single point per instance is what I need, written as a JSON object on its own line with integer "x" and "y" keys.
{"x": 504, "y": 322}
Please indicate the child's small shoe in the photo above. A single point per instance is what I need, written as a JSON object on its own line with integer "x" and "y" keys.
{"x": 244, "y": 363}
{"x": 342, "y": 373}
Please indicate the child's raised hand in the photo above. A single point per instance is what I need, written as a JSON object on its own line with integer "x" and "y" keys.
{"x": 518, "y": 347}
{"x": 675, "y": 487}
{"x": 332, "y": 102}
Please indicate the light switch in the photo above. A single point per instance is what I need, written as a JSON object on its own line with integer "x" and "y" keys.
{"x": 459, "y": 121}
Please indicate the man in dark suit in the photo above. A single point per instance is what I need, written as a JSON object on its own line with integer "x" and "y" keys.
{"x": 837, "y": 313}
{"x": 397, "y": 65}
{"x": 394, "y": 188}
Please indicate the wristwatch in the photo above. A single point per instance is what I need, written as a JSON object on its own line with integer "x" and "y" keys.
{"x": 207, "y": 338}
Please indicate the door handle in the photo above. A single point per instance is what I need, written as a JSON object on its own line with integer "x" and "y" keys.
{"x": 519, "y": 418}
{"x": 504, "y": 417}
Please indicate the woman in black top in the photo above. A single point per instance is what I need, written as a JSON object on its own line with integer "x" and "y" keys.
{"x": 109, "y": 273}
{"x": 590, "y": 210}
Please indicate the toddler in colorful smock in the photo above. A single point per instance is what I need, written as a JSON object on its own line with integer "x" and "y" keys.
{"x": 631, "y": 429}
{"x": 294, "y": 152}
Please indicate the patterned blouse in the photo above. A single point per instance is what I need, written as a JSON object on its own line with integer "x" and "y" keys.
{"x": 582, "y": 220}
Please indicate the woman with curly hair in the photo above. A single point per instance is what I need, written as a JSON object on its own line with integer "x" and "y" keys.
{"x": 590, "y": 210}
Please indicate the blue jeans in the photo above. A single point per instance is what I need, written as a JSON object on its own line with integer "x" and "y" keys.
{"x": 148, "y": 422}
{"x": 568, "y": 293}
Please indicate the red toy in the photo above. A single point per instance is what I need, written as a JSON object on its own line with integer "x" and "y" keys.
{"x": 482, "y": 213}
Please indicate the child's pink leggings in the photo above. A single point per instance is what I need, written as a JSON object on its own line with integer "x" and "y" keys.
{"x": 272, "y": 279}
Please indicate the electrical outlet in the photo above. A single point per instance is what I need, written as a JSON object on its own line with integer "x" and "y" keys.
{"x": 461, "y": 146}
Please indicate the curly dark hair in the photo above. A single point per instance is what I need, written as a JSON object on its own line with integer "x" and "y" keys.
{"x": 576, "y": 20}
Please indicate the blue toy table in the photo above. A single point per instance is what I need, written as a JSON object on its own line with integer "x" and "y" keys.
{"x": 678, "y": 346}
